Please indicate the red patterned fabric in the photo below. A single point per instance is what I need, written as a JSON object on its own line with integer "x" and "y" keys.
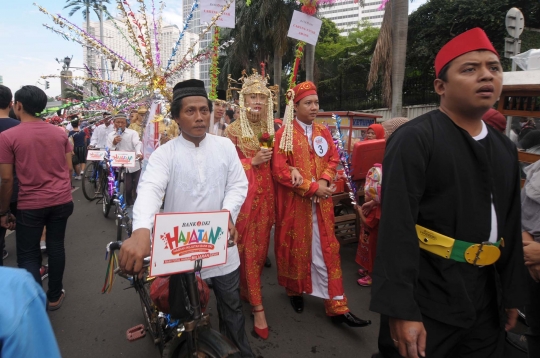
{"x": 303, "y": 90}
{"x": 294, "y": 226}
{"x": 254, "y": 224}
{"x": 367, "y": 245}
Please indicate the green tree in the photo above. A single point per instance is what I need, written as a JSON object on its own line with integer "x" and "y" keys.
{"x": 466, "y": 14}
{"x": 260, "y": 37}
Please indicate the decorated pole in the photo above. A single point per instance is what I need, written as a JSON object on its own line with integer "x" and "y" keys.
{"x": 339, "y": 141}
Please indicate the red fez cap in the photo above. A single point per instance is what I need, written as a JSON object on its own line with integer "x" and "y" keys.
{"x": 495, "y": 119}
{"x": 472, "y": 40}
{"x": 304, "y": 89}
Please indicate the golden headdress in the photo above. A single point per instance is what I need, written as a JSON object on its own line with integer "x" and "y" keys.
{"x": 254, "y": 84}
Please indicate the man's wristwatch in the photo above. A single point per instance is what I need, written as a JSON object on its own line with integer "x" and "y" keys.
{"x": 5, "y": 213}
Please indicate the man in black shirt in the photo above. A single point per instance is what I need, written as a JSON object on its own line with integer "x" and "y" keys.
{"x": 443, "y": 274}
{"x": 6, "y": 123}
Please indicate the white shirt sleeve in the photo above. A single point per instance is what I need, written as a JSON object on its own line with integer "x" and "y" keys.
{"x": 151, "y": 190}
{"x": 109, "y": 141}
{"x": 136, "y": 142}
{"x": 236, "y": 187}
{"x": 95, "y": 136}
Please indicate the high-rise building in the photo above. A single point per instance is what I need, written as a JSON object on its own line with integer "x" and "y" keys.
{"x": 371, "y": 12}
{"x": 115, "y": 41}
{"x": 348, "y": 14}
{"x": 196, "y": 27}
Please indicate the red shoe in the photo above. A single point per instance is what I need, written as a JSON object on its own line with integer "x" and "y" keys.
{"x": 261, "y": 332}
{"x": 362, "y": 272}
{"x": 365, "y": 281}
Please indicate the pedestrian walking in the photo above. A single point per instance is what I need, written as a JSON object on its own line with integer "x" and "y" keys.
{"x": 41, "y": 155}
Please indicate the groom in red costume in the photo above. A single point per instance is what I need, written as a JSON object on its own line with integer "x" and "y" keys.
{"x": 307, "y": 251}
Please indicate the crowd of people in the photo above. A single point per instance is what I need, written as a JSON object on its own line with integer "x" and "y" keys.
{"x": 449, "y": 244}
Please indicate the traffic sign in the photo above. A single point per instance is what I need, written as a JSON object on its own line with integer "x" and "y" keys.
{"x": 514, "y": 22}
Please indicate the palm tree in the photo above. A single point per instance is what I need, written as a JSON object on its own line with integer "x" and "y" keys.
{"x": 390, "y": 54}
{"x": 86, "y": 5}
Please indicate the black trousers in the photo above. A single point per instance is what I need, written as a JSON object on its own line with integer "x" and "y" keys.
{"x": 132, "y": 181}
{"x": 485, "y": 339}
{"x": 532, "y": 312}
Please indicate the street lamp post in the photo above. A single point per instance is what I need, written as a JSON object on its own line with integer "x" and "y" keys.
{"x": 66, "y": 75}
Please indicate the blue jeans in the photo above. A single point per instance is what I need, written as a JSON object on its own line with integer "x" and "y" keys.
{"x": 30, "y": 224}
{"x": 231, "y": 317}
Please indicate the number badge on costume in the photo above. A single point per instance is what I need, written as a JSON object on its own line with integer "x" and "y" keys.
{"x": 320, "y": 145}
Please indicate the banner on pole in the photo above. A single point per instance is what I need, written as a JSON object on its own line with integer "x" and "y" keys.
{"x": 210, "y": 8}
{"x": 304, "y": 28}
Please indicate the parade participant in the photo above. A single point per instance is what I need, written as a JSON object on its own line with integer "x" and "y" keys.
{"x": 370, "y": 214}
{"x": 530, "y": 220}
{"x": 217, "y": 122}
{"x": 167, "y": 130}
{"x": 78, "y": 139}
{"x": 127, "y": 140}
{"x": 495, "y": 119}
{"x": 42, "y": 156}
{"x": 391, "y": 125}
{"x": 450, "y": 194}
{"x": 195, "y": 172}
{"x": 6, "y": 122}
{"x": 375, "y": 131}
{"x": 307, "y": 251}
{"x": 135, "y": 122}
{"x": 257, "y": 214}
{"x": 99, "y": 137}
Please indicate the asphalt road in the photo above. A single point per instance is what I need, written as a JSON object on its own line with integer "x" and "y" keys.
{"x": 91, "y": 324}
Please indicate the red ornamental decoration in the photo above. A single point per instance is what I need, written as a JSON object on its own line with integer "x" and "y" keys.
{"x": 309, "y": 9}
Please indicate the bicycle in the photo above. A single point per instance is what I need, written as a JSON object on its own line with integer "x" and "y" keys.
{"x": 112, "y": 186}
{"x": 93, "y": 178}
{"x": 175, "y": 339}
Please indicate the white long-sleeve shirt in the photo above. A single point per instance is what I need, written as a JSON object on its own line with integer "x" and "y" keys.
{"x": 195, "y": 179}
{"x": 130, "y": 143}
{"x": 99, "y": 137}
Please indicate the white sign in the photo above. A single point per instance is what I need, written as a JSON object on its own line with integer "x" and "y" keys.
{"x": 180, "y": 239}
{"x": 210, "y": 8}
{"x": 126, "y": 159}
{"x": 304, "y": 28}
{"x": 320, "y": 145}
{"x": 95, "y": 155}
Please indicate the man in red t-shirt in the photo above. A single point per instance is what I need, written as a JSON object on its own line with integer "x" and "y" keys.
{"x": 41, "y": 155}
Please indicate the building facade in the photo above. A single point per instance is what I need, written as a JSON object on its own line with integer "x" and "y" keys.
{"x": 196, "y": 27}
{"x": 114, "y": 40}
{"x": 347, "y": 14}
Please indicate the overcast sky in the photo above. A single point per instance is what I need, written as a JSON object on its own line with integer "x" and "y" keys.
{"x": 29, "y": 49}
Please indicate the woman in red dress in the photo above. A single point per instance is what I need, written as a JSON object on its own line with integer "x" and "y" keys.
{"x": 253, "y": 137}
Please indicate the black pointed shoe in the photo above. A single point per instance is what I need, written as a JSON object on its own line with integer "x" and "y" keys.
{"x": 297, "y": 303}
{"x": 351, "y": 320}
{"x": 267, "y": 263}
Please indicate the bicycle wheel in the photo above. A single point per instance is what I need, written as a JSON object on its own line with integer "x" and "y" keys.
{"x": 89, "y": 181}
{"x": 211, "y": 344}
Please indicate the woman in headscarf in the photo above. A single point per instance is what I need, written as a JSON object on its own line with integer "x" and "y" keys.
{"x": 374, "y": 131}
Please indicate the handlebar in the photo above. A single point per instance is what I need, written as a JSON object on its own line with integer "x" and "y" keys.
{"x": 116, "y": 245}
